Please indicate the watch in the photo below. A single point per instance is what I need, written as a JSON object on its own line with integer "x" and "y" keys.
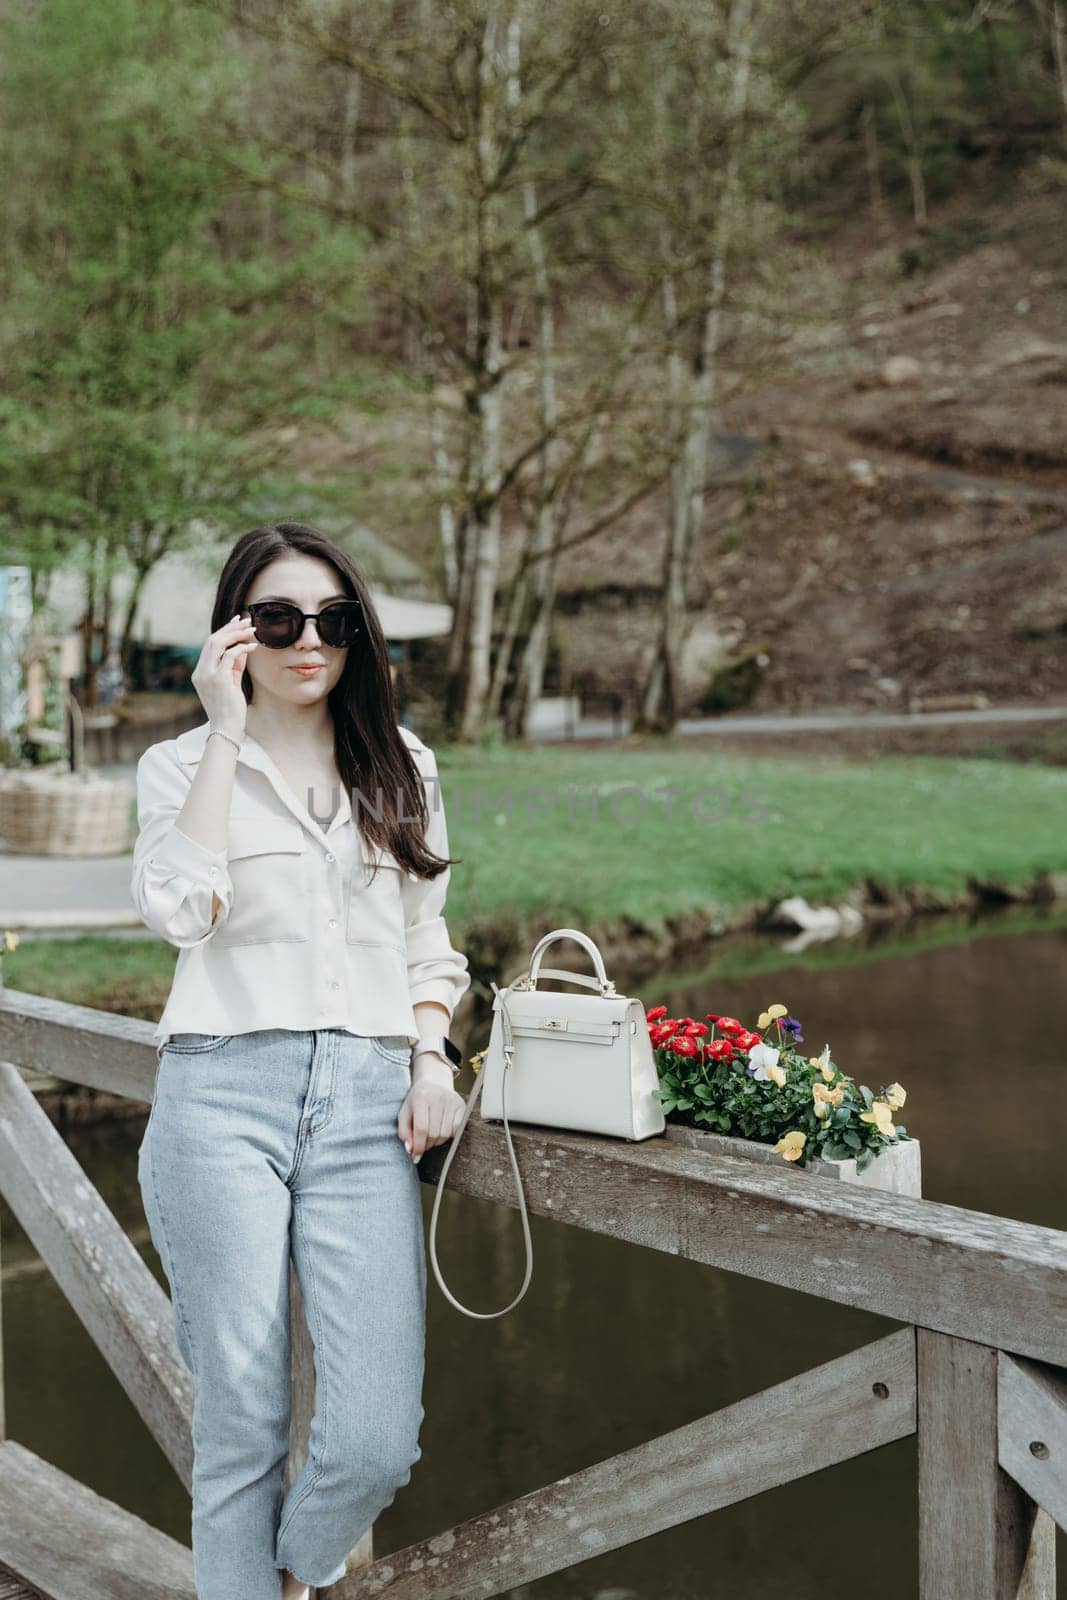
{"x": 441, "y": 1045}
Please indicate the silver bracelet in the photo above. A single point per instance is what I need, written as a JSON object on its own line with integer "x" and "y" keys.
{"x": 219, "y": 733}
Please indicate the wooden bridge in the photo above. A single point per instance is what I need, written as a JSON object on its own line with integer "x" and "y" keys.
{"x": 977, "y": 1370}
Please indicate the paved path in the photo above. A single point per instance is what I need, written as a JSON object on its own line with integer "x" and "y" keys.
{"x": 49, "y": 893}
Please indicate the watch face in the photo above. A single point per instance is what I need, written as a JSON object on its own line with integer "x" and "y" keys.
{"x": 452, "y": 1052}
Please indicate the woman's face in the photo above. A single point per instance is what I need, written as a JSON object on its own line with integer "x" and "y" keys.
{"x": 310, "y": 584}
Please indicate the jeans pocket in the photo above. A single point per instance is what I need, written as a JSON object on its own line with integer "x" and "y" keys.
{"x": 393, "y": 1047}
{"x": 196, "y": 1044}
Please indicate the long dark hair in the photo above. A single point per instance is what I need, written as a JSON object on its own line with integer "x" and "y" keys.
{"x": 369, "y": 748}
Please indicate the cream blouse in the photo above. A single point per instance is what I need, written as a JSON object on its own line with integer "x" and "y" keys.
{"x": 305, "y": 938}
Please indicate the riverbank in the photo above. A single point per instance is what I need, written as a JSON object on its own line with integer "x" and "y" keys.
{"x": 655, "y": 848}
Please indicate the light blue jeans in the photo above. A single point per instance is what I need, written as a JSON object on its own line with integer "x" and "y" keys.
{"x": 258, "y": 1145}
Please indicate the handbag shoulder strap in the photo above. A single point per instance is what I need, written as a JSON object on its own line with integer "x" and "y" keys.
{"x": 440, "y": 1187}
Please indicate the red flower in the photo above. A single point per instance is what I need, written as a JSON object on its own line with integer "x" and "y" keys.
{"x": 746, "y": 1039}
{"x": 719, "y": 1050}
{"x": 660, "y": 1036}
{"x": 683, "y": 1044}
{"x": 696, "y": 1029}
{"x": 655, "y": 1013}
{"x": 731, "y": 1025}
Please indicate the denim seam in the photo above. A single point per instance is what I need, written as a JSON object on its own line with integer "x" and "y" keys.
{"x": 298, "y": 1156}
{"x": 385, "y": 1055}
{"x": 316, "y": 1127}
{"x": 217, "y": 1043}
{"x": 171, "y": 1274}
{"x": 320, "y": 1467}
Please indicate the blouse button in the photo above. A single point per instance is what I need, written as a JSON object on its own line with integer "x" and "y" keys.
{"x": 334, "y": 983}
{"x": 329, "y": 857}
{"x": 333, "y": 922}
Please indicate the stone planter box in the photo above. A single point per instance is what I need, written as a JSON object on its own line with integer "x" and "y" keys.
{"x": 898, "y": 1170}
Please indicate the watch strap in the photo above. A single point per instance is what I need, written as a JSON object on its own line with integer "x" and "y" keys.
{"x": 440, "y": 1044}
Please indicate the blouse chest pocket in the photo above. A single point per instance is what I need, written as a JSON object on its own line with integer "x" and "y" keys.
{"x": 375, "y": 906}
{"x": 267, "y": 867}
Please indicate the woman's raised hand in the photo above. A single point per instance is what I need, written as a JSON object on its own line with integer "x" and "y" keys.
{"x": 217, "y": 675}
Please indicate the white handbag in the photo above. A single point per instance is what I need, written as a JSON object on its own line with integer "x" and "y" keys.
{"x": 583, "y": 1062}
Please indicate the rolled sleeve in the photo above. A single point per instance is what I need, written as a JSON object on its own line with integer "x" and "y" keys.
{"x": 174, "y": 877}
{"x": 436, "y": 969}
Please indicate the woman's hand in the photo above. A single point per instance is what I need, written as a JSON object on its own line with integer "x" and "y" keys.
{"x": 431, "y": 1114}
{"x": 217, "y": 675}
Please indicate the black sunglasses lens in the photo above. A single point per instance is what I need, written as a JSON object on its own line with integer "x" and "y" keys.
{"x": 339, "y": 624}
{"x": 277, "y": 625}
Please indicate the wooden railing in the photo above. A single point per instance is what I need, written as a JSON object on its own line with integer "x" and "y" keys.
{"x": 977, "y": 1371}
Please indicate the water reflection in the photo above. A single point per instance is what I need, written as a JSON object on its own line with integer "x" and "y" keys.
{"x": 615, "y": 1344}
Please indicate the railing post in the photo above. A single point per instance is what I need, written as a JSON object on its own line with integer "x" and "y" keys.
{"x": 981, "y": 1537}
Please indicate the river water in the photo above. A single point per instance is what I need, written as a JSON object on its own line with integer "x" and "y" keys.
{"x": 614, "y": 1344}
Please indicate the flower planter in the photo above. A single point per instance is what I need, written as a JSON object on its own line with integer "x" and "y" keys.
{"x": 897, "y": 1169}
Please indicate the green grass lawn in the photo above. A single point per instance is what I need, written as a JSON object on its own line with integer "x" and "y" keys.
{"x": 774, "y": 827}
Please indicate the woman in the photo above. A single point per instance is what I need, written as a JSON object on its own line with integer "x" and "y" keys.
{"x": 289, "y": 849}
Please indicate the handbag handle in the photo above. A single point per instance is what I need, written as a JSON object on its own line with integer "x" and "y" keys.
{"x": 604, "y": 982}
{"x": 440, "y": 1186}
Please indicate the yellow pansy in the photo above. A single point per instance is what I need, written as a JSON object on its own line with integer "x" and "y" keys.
{"x": 895, "y": 1096}
{"x": 11, "y": 939}
{"x": 791, "y": 1145}
{"x": 882, "y": 1116}
{"x": 826, "y": 1097}
{"x": 768, "y": 1016}
{"x": 776, "y": 1073}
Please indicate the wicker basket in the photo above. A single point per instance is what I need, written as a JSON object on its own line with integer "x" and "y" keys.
{"x": 45, "y": 812}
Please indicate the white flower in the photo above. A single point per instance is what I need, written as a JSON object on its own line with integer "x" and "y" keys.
{"x": 760, "y": 1057}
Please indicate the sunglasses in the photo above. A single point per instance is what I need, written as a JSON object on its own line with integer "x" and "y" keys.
{"x": 278, "y": 623}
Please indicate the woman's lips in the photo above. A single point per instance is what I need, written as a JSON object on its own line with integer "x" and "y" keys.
{"x": 306, "y": 672}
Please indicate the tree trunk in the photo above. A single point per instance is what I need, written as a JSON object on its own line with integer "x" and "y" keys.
{"x": 660, "y": 703}
{"x": 485, "y": 399}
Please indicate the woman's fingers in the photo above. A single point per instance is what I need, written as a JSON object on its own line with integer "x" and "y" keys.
{"x": 426, "y": 1120}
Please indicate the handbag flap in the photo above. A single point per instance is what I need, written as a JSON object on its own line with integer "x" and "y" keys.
{"x": 529, "y": 1003}
{"x": 590, "y": 1030}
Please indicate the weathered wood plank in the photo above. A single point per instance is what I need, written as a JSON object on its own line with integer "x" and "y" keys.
{"x": 981, "y": 1537}
{"x": 3, "y": 1401}
{"x": 123, "y": 1308}
{"x": 1032, "y": 1431}
{"x": 78, "y": 1044}
{"x": 961, "y": 1272}
{"x": 69, "y": 1543}
{"x": 12, "y": 1588}
{"x": 916, "y": 1261}
{"x": 833, "y": 1413}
